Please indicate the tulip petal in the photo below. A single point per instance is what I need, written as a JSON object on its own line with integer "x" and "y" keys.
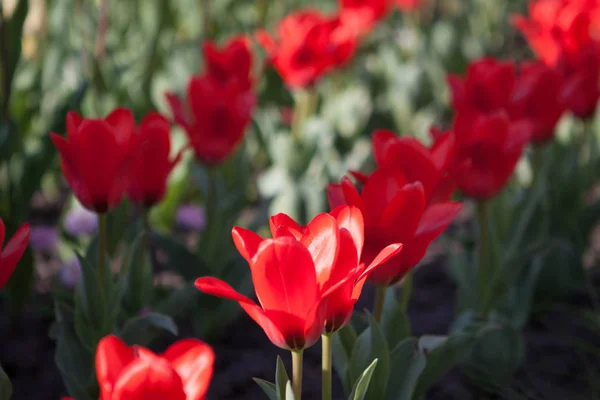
{"x": 193, "y": 360}
{"x": 217, "y": 287}
{"x": 112, "y": 356}
{"x": 246, "y": 242}
{"x": 381, "y": 140}
{"x": 283, "y": 220}
{"x": 384, "y": 255}
{"x": 351, "y": 195}
{"x": 351, "y": 218}
{"x": 73, "y": 122}
{"x": 322, "y": 239}
{"x": 383, "y": 185}
{"x": 177, "y": 110}
{"x": 148, "y": 378}
{"x": 335, "y": 195}
{"x": 123, "y": 124}
{"x": 284, "y": 276}
{"x": 13, "y": 251}
{"x": 402, "y": 214}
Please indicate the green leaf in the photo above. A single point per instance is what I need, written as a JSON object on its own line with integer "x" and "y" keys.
{"x": 362, "y": 385}
{"x": 369, "y": 346}
{"x": 142, "y": 330}
{"x": 408, "y": 363}
{"x": 281, "y": 379}
{"x": 13, "y": 31}
{"x": 5, "y": 386}
{"x": 189, "y": 265}
{"x": 394, "y": 321}
{"x": 342, "y": 344}
{"x": 74, "y": 361}
{"x": 289, "y": 392}
{"x": 442, "y": 354}
{"x": 267, "y": 387}
{"x": 136, "y": 278}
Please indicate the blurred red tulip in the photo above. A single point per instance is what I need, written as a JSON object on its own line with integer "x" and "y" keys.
{"x": 536, "y": 97}
{"x": 215, "y": 116}
{"x": 362, "y": 15}
{"x": 13, "y": 251}
{"x": 96, "y": 159}
{"x": 151, "y": 166}
{"x": 183, "y": 372}
{"x": 418, "y": 163}
{"x": 489, "y": 142}
{"x": 304, "y": 278}
{"x": 565, "y": 34}
{"x": 233, "y": 61}
{"x": 395, "y": 211}
{"x": 307, "y": 45}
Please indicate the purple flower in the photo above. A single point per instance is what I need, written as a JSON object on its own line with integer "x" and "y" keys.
{"x": 43, "y": 238}
{"x": 80, "y": 221}
{"x": 191, "y": 217}
{"x": 70, "y": 272}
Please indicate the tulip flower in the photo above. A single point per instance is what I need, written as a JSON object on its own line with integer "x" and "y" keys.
{"x": 565, "y": 35}
{"x": 233, "y": 61}
{"x": 12, "y": 252}
{"x": 96, "y": 157}
{"x": 395, "y": 211}
{"x": 306, "y": 279}
{"x": 536, "y": 97}
{"x": 151, "y": 166}
{"x": 297, "y": 270}
{"x": 182, "y": 372}
{"x": 215, "y": 117}
{"x": 489, "y": 142}
{"x": 308, "y": 45}
{"x": 430, "y": 166}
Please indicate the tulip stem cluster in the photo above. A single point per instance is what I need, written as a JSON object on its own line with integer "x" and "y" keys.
{"x": 297, "y": 356}
{"x": 326, "y": 351}
{"x": 379, "y": 303}
{"x": 102, "y": 228}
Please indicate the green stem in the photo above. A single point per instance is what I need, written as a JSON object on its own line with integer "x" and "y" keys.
{"x": 212, "y": 210}
{"x": 102, "y": 228}
{"x": 305, "y": 105}
{"x": 297, "y": 372}
{"x": 326, "y": 366}
{"x": 379, "y": 302}
{"x": 485, "y": 273}
{"x": 407, "y": 288}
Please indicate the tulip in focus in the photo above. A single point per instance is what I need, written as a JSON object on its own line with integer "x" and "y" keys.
{"x": 11, "y": 253}
{"x": 307, "y": 45}
{"x": 306, "y": 278}
{"x": 182, "y": 372}
{"x": 565, "y": 34}
{"x": 96, "y": 157}
{"x": 152, "y": 165}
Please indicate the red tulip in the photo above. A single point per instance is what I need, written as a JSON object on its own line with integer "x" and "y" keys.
{"x": 395, "y": 211}
{"x": 13, "y": 251}
{"x": 362, "y": 15}
{"x": 215, "y": 116}
{"x": 565, "y": 34}
{"x": 304, "y": 277}
{"x": 183, "y": 372}
{"x": 97, "y": 157}
{"x": 488, "y": 141}
{"x": 537, "y": 98}
{"x": 488, "y": 151}
{"x": 233, "y": 61}
{"x": 307, "y": 45}
{"x": 417, "y": 162}
{"x": 151, "y": 166}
